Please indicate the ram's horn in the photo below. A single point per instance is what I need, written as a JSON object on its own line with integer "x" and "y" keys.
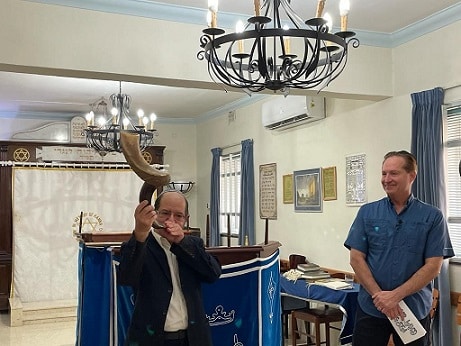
{"x": 152, "y": 177}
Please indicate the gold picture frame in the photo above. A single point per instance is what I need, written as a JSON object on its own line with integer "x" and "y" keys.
{"x": 288, "y": 189}
{"x": 329, "y": 183}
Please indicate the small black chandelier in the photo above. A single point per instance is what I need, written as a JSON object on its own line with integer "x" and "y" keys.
{"x": 181, "y": 186}
{"x": 271, "y": 52}
{"x": 103, "y": 129}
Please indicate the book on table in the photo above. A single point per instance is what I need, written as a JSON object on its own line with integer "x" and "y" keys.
{"x": 308, "y": 267}
{"x": 315, "y": 275}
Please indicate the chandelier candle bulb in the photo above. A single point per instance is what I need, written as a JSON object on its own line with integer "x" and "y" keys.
{"x": 126, "y": 122}
{"x": 239, "y": 28}
{"x": 214, "y": 20}
{"x": 114, "y": 113}
{"x": 344, "y": 23}
{"x": 344, "y": 7}
{"x": 257, "y": 7}
{"x": 153, "y": 117}
{"x": 90, "y": 118}
{"x": 286, "y": 42}
{"x": 140, "y": 116}
{"x": 213, "y": 8}
{"x": 320, "y": 7}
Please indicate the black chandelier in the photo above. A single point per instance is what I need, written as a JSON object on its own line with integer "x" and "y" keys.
{"x": 271, "y": 52}
{"x": 181, "y": 186}
{"x": 103, "y": 129}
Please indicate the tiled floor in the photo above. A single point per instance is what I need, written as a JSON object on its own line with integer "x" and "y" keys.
{"x": 46, "y": 334}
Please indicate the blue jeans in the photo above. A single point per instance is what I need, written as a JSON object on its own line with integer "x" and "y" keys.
{"x": 374, "y": 331}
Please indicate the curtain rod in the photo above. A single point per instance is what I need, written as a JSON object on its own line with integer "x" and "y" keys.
{"x": 72, "y": 165}
{"x": 453, "y": 102}
{"x": 233, "y": 145}
{"x": 452, "y": 87}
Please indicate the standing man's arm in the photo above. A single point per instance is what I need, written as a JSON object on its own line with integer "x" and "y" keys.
{"x": 362, "y": 272}
{"x": 388, "y": 300}
{"x": 384, "y": 302}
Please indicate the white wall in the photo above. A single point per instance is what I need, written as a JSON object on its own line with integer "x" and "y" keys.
{"x": 350, "y": 127}
{"x": 179, "y": 154}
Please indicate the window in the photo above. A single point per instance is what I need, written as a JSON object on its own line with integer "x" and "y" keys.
{"x": 453, "y": 186}
{"x": 230, "y": 195}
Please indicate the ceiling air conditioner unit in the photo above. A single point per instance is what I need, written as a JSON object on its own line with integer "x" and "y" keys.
{"x": 282, "y": 112}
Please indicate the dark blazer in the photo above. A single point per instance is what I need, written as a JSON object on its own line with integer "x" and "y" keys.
{"x": 144, "y": 266}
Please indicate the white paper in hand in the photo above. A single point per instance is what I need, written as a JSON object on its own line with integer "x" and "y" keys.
{"x": 409, "y": 329}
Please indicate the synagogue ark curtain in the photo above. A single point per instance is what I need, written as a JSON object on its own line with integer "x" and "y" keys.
{"x": 46, "y": 210}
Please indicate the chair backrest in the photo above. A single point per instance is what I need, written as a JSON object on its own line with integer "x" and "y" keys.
{"x": 295, "y": 260}
{"x": 435, "y": 302}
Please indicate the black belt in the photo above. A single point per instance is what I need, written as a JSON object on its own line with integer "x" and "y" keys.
{"x": 180, "y": 334}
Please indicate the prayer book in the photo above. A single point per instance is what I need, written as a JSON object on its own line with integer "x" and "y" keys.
{"x": 308, "y": 267}
{"x": 315, "y": 275}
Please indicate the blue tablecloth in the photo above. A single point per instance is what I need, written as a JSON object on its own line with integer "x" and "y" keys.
{"x": 347, "y": 299}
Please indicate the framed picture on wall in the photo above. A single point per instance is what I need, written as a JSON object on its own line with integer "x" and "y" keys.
{"x": 356, "y": 188}
{"x": 308, "y": 190}
{"x": 329, "y": 184}
{"x": 288, "y": 189}
{"x": 268, "y": 191}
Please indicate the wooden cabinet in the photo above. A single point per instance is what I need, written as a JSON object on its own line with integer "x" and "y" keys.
{"x": 27, "y": 152}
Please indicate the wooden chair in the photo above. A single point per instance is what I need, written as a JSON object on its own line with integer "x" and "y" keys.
{"x": 317, "y": 316}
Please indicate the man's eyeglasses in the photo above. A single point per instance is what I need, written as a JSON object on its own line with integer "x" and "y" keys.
{"x": 166, "y": 214}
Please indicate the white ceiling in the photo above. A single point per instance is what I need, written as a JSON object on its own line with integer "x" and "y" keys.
{"x": 25, "y": 95}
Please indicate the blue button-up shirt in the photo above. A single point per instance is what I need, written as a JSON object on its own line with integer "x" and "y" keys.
{"x": 397, "y": 245}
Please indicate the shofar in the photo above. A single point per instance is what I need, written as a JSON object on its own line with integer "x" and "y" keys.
{"x": 153, "y": 178}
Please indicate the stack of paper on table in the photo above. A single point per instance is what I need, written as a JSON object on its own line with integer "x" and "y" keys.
{"x": 336, "y": 284}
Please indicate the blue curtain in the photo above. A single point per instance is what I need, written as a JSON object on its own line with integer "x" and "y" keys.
{"x": 214, "y": 198}
{"x": 247, "y": 194}
{"x": 429, "y": 186}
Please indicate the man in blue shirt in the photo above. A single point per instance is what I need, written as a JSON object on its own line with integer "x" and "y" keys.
{"x": 397, "y": 246}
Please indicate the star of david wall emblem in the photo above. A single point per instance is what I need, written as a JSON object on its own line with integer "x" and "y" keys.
{"x": 21, "y": 155}
{"x": 147, "y": 156}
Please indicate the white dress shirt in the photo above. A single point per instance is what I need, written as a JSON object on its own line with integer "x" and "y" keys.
{"x": 176, "y": 318}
